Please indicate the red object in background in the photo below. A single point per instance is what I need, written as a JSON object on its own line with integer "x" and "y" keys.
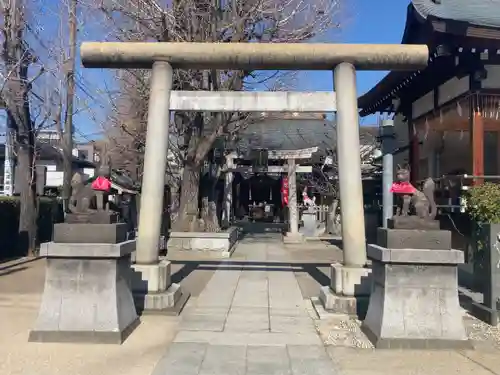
{"x": 101, "y": 184}
{"x": 402, "y": 188}
{"x": 284, "y": 191}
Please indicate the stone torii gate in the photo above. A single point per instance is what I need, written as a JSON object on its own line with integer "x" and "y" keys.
{"x": 291, "y": 169}
{"x": 162, "y": 58}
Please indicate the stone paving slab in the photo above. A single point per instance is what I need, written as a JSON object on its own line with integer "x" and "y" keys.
{"x": 182, "y": 359}
{"x": 210, "y": 359}
{"x": 281, "y": 324}
{"x": 247, "y": 324}
{"x": 203, "y": 322}
{"x": 263, "y": 360}
{"x": 224, "y": 360}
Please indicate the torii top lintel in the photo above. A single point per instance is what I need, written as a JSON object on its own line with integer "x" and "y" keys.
{"x": 254, "y": 56}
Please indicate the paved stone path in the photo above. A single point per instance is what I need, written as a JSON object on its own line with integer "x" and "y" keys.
{"x": 248, "y": 320}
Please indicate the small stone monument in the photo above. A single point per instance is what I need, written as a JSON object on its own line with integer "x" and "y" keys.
{"x": 87, "y": 295}
{"x": 414, "y": 299}
{"x": 312, "y": 228}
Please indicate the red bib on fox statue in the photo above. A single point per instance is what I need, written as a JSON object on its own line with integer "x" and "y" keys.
{"x": 402, "y": 188}
{"x": 101, "y": 184}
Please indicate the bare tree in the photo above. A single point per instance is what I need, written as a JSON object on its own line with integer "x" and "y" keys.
{"x": 215, "y": 21}
{"x": 38, "y": 88}
{"x": 17, "y": 57}
{"x": 58, "y": 89}
{"x": 325, "y": 182}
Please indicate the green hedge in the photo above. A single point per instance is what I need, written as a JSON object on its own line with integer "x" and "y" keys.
{"x": 49, "y": 212}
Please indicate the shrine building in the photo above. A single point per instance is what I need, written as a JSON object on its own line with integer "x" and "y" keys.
{"x": 447, "y": 116}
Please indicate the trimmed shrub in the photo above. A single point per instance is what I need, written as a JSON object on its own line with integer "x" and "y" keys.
{"x": 49, "y": 212}
{"x": 483, "y": 203}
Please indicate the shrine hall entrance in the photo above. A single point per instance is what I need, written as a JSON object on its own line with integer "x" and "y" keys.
{"x": 258, "y": 197}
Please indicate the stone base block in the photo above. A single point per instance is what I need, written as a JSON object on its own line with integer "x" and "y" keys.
{"x": 414, "y": 302}
{"x": 153, "y": 290}
{"x": 350, "y": 281}
{"x": 90, "y": 233}
{"x": 151, "y": 278}
{"x": 416, "y": 256}
{"x": 93, "y": 217}
{"x": 169, "y": 302}
{"x": 414, "y": 239}
{"x": 220, "y": 244}
{"x": 412, "y": 222}
{"x": 83, "y": 337}
{"x": 86, "y": 298}
{"x": 312, "y": 228}
{"x": 293, "y": 238}
{"x": 87, "y": 250}
{"x": 415, "y": 343}
{"x": 338, "y": 304}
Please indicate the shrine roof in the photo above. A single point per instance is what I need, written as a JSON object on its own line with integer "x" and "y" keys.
{"x": 288, "y": 134}
{"x": 296, "y": 134}
{"x": 476, "y": 12}
{"x": 421, "y": 14}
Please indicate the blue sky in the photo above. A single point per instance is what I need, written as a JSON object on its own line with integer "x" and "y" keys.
{"x": 367, "y": 21}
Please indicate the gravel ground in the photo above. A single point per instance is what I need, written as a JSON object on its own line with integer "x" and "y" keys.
{"x": 344, "y": 331}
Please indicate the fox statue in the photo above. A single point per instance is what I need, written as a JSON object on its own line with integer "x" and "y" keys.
{"x": 423, "y": 201}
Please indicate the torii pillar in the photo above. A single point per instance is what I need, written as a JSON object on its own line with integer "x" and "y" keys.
{"x": 350, "y": 281}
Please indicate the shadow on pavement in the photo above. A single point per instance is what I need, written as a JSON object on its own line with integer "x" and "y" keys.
{"x": 10, "y": 270}
{"x": 335, "y": 242}
{"x": 311, "y": 269}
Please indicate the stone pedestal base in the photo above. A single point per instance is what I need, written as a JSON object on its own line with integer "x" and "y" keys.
{"x": 414, "y": 302}
{"x": 87, "y": 296}
{"x": 311, "y": 228}
{"x": 90, "y": 233}
{"x": 93, "y": 217}
{"x": 154, "y": 292}
{"x": 350, "y": 281}
{"x": 348, "y": 292}
{"x": 293, "y": 238}
{"x": 216, "y": 244}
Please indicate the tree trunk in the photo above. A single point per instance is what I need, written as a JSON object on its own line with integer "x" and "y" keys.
{"x": 175, "y": 188}
{"x": 28, "y": 209}
{"x": 15, "y": 95}
{"x": 333, "y": 218}
{"x": 187, "y": 219}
